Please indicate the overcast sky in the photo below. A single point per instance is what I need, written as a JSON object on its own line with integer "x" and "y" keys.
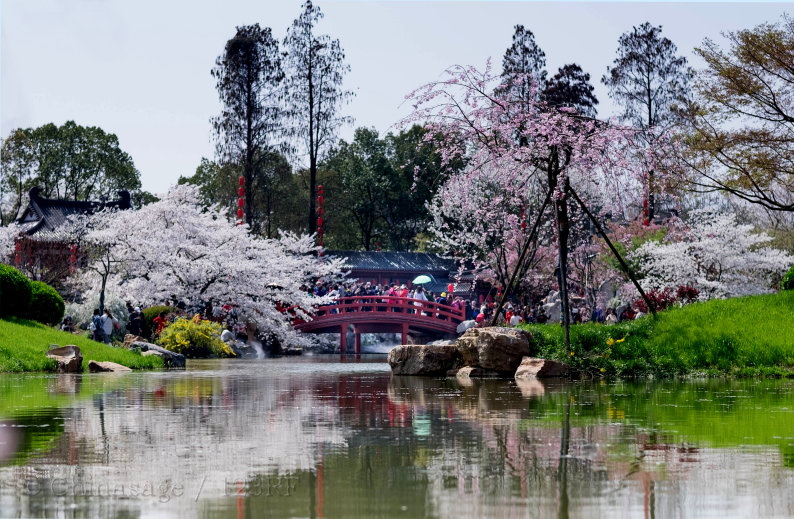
{"x": 141, "y": 68}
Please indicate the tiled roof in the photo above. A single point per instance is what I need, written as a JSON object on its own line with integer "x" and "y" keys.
{"x": 43, "y": 217}
{"x": 418, "y": 262}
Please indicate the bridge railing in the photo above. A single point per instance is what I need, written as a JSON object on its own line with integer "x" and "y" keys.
{"x": 415, "y": 308}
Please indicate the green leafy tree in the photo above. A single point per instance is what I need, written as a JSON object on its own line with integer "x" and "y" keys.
{"x": 248, "y": 75}
{"x": 366, "y": 175}
{"x": 274, "y": 191}
{"x": 418, "y": 172}
{"x": 70, "y": 161}
{"x": 313, "y": 94}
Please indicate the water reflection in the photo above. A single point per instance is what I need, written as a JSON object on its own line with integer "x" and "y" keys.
{"x": 320, "y": 438}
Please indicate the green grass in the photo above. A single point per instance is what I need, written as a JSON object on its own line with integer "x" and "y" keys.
{"x": 24, "y": 344}
{"x": 744, "y": 336}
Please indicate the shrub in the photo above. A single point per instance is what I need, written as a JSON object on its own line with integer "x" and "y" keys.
{"x": 46, "y": 305}
{"x": 148, "y": 318}
{"x": 195, "y": 338}
{"x": 660, "y": 300}
{"x": 787, "y": 283}
{"x": 687, "y": 294}
{"x": 15, "y": 292}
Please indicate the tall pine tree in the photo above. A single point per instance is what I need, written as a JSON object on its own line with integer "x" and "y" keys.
{"x": 248, "y": 75}
{"x": 313, "y": 94}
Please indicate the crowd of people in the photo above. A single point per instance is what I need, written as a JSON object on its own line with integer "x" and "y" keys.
{"x": 479, "y": 309}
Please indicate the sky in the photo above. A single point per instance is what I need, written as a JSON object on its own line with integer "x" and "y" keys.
{"x": 141, "y": 68}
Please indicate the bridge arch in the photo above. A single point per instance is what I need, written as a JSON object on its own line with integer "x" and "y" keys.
{"x": 381, "y": 314}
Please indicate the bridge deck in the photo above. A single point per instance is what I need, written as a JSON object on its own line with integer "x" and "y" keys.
{"x": 381, "y": 314}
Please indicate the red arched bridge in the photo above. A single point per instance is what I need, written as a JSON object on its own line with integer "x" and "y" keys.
{"x": 381, "y": 314}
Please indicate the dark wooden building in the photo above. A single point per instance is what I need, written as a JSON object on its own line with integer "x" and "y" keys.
{"x": 42, "y": 249}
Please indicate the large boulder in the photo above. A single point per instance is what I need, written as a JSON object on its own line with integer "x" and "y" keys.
{"x": 531, "y": 368}
{"x": 170, "y": 359}
{"x": 69, "y": 358}
{"x": 412, "y": 359}
{"x": 106, "y": 367}
{"x": 494, "y": 349}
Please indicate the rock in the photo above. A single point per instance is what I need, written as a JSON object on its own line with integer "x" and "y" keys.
{"x": 532, "y": 367}
{"x": 69, "y": 358}
{"x": 106, "y": 367}
{"x": 130, "y": 340}
{"x": 494, "y": 349}
{"x": 465, "y": 325}
{"x": 441, "y": 342}
{"x": 170, "y": 358}
{"x": 423, "y": 360}
{"x": 474, "y": 372}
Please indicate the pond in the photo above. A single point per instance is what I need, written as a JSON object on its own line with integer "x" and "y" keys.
{"x": 340, "y": 437}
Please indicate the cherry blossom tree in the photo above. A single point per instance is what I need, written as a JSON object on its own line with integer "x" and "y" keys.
{"x": 531, "y": 148}
{"x": 8, "y": 235}
{"x": 716, "y": 255}
{"x": 174, "y": 249}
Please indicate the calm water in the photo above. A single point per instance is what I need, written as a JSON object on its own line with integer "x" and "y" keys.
{"x": 324, "y": 438}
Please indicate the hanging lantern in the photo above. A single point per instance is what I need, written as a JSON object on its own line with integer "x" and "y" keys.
{"x": 450, "y": 288}
{"x": 320, "y": 189}
{"x": 320, "y": 200}
{"x": 320, "y": 232}
{"x": 319, "y": 221}
{"x": 320, "y": 210}
{"x": 241, "y": 193}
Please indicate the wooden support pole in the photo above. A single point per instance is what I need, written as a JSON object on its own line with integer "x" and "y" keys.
{"x": 358, "y": 339}
{"x": 343, "y": 339}
{"x": 405, "y": 334}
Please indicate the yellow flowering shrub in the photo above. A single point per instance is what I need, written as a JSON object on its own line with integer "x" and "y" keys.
{"x": 195, "y": 338}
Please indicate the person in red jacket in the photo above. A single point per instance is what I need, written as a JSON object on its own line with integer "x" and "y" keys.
{"x": 160, "y": 322}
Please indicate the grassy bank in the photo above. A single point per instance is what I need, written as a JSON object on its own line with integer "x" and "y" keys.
{"x": 743, "y": 336}
{"x": 23, "y": 345}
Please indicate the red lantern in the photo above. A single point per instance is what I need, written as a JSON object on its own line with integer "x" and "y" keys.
{"x": 450, "y": 288}
{"x": 242, "y": 181}
{"x": 320, "y": 232}
{"x": 320, "y": 211}
{"x": 319, "y": 221}
{"x": 239, "y": 202}
{"x": 320, "y": 189}
{"x": 241, "y": 192}
{"x": 240, "y": 214}
{"x": 320, "y": 199}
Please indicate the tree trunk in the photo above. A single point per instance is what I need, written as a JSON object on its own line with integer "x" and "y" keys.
{"x": 102, "y": 294}
{"x": 312, "y": 148}
{"x": 563, "y": 232}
